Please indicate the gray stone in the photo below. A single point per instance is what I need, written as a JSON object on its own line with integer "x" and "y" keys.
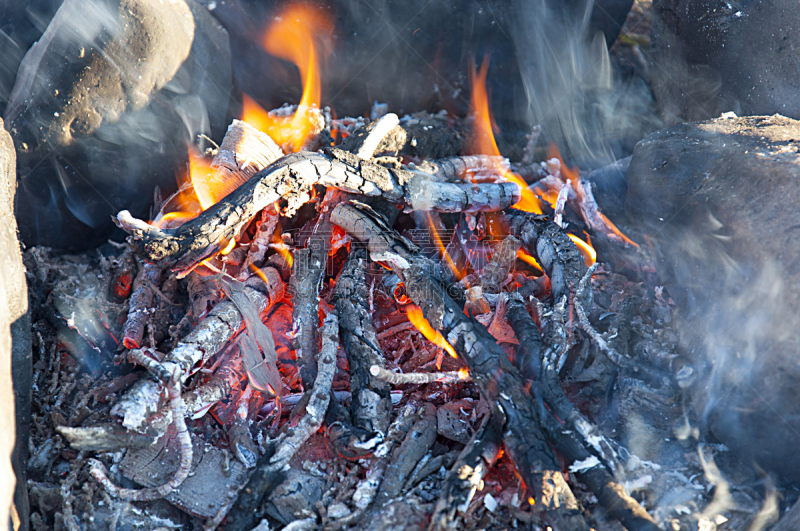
{"x": 294, "y": 499}
{"x": 711, "y": 57}
{"x": 103, "y": 107}
{"x": 719, "y": 202}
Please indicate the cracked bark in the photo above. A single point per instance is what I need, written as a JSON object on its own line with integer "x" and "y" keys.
{"x": 292, "y": 179}
{"x": 371, "y": 404}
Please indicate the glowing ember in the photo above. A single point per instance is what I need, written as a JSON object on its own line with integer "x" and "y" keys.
{"x": 416, "y": 318}
{"x": 294, "y": 37}
{"x": 463, "y": 373}
{"x": 588, "y": 252}
{"x": 484, "y": 142}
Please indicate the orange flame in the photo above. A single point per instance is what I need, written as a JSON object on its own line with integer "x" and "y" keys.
{"x": 294, "y": 37}
{"x": 416, "y": 318}
{"x": 484, "y": 142}
{"x": 572, "y": 175}
{"x": 528, "y": 259}
{"x": 445, "y": 255}
{"x": 463, "y": 373}
{"x": 588, "y": 252}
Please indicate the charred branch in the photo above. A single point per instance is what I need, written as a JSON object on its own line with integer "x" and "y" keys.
{"x": 244, "y": 514}
{"x": 207, "y": 339}
{"x": 575, "y": 437}
{"x": 309, "y": 270}
{"x": 415, "y": 445}
{"x": 455, "y": 169}
{"x": 497, "y": 379}
{"x": 291, "y": 179}
{"x": 108, "y": 438}
{"x": 466, "y": 475}
{"x": 141, "y": 304}
{"x": 371, "y": 404}
{"x": 553, "y": 249}
{"x": 418, "y": 378}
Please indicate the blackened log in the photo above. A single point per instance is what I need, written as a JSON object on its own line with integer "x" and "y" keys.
{"x": 371, "y": 405}
{"x": 292, "y": 179}
{"x": 501, "y": 384}
{"x": 455, "y": 169}
{"x": 531, "y": 347}
{"x": 497, "y": 379}
{"x": 575, "y": 437}
{"x": 557, "y": 254}
{"x": 141, "y": 304}
{"x": 107, "y": 438}
{"x": 416, "y": 444}
{"x": 309, "y": 270}
{"x": 466, "y": 475}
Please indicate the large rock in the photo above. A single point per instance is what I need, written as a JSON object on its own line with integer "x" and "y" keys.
{"x": 15, "y": 350}
{"x": 103, "y": 106}
{"x": 713, "y": 56}
{"x": 719, "y": 201}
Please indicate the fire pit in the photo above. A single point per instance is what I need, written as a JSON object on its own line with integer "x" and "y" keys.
{"x": 380, "y": 322}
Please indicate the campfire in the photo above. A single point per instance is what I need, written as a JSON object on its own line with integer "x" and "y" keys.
{"x": 368, "y": 323}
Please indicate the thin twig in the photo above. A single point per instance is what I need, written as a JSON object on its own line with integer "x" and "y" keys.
{"x": 399, "y": 378}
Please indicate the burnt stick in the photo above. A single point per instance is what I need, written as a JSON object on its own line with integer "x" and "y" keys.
{"x": 572, "y": 436}
{"x": 141, "y": 304}
{"x": 557, "y": 254}
{"x": 291, "y": 179}
{"x": 454, "y": 169}
{"x": 415, "y": 445}
{"x": 502, "y": 385}
{"x": 209, "y": 337}
{"x": 497, "y": 379}
{"x": 243, "y": 514}
{"x": 371, "y": 405}
{"x": 307, "y": 275}
{"x": 464, "y": 478}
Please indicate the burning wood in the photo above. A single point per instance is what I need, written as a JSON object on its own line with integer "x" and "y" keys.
{"x": 257, "y": 254}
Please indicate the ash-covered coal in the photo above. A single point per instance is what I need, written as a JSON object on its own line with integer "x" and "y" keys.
{"x": 719, "y": 201}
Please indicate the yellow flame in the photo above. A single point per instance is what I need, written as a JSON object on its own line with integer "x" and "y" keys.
{"x": 588, "y": 252}
{"x": 463, "y": 373}
{"x": 228, "y": 248}
{"x": 484, "y": 142}
{"x": 294, "y": 37}
{"x": 416, "y": 318}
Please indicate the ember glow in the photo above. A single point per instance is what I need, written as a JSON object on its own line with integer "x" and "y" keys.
{"x": 484, "y": 142}
{"x": 295, "y": 36}
{"x": 416, "y": 318}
